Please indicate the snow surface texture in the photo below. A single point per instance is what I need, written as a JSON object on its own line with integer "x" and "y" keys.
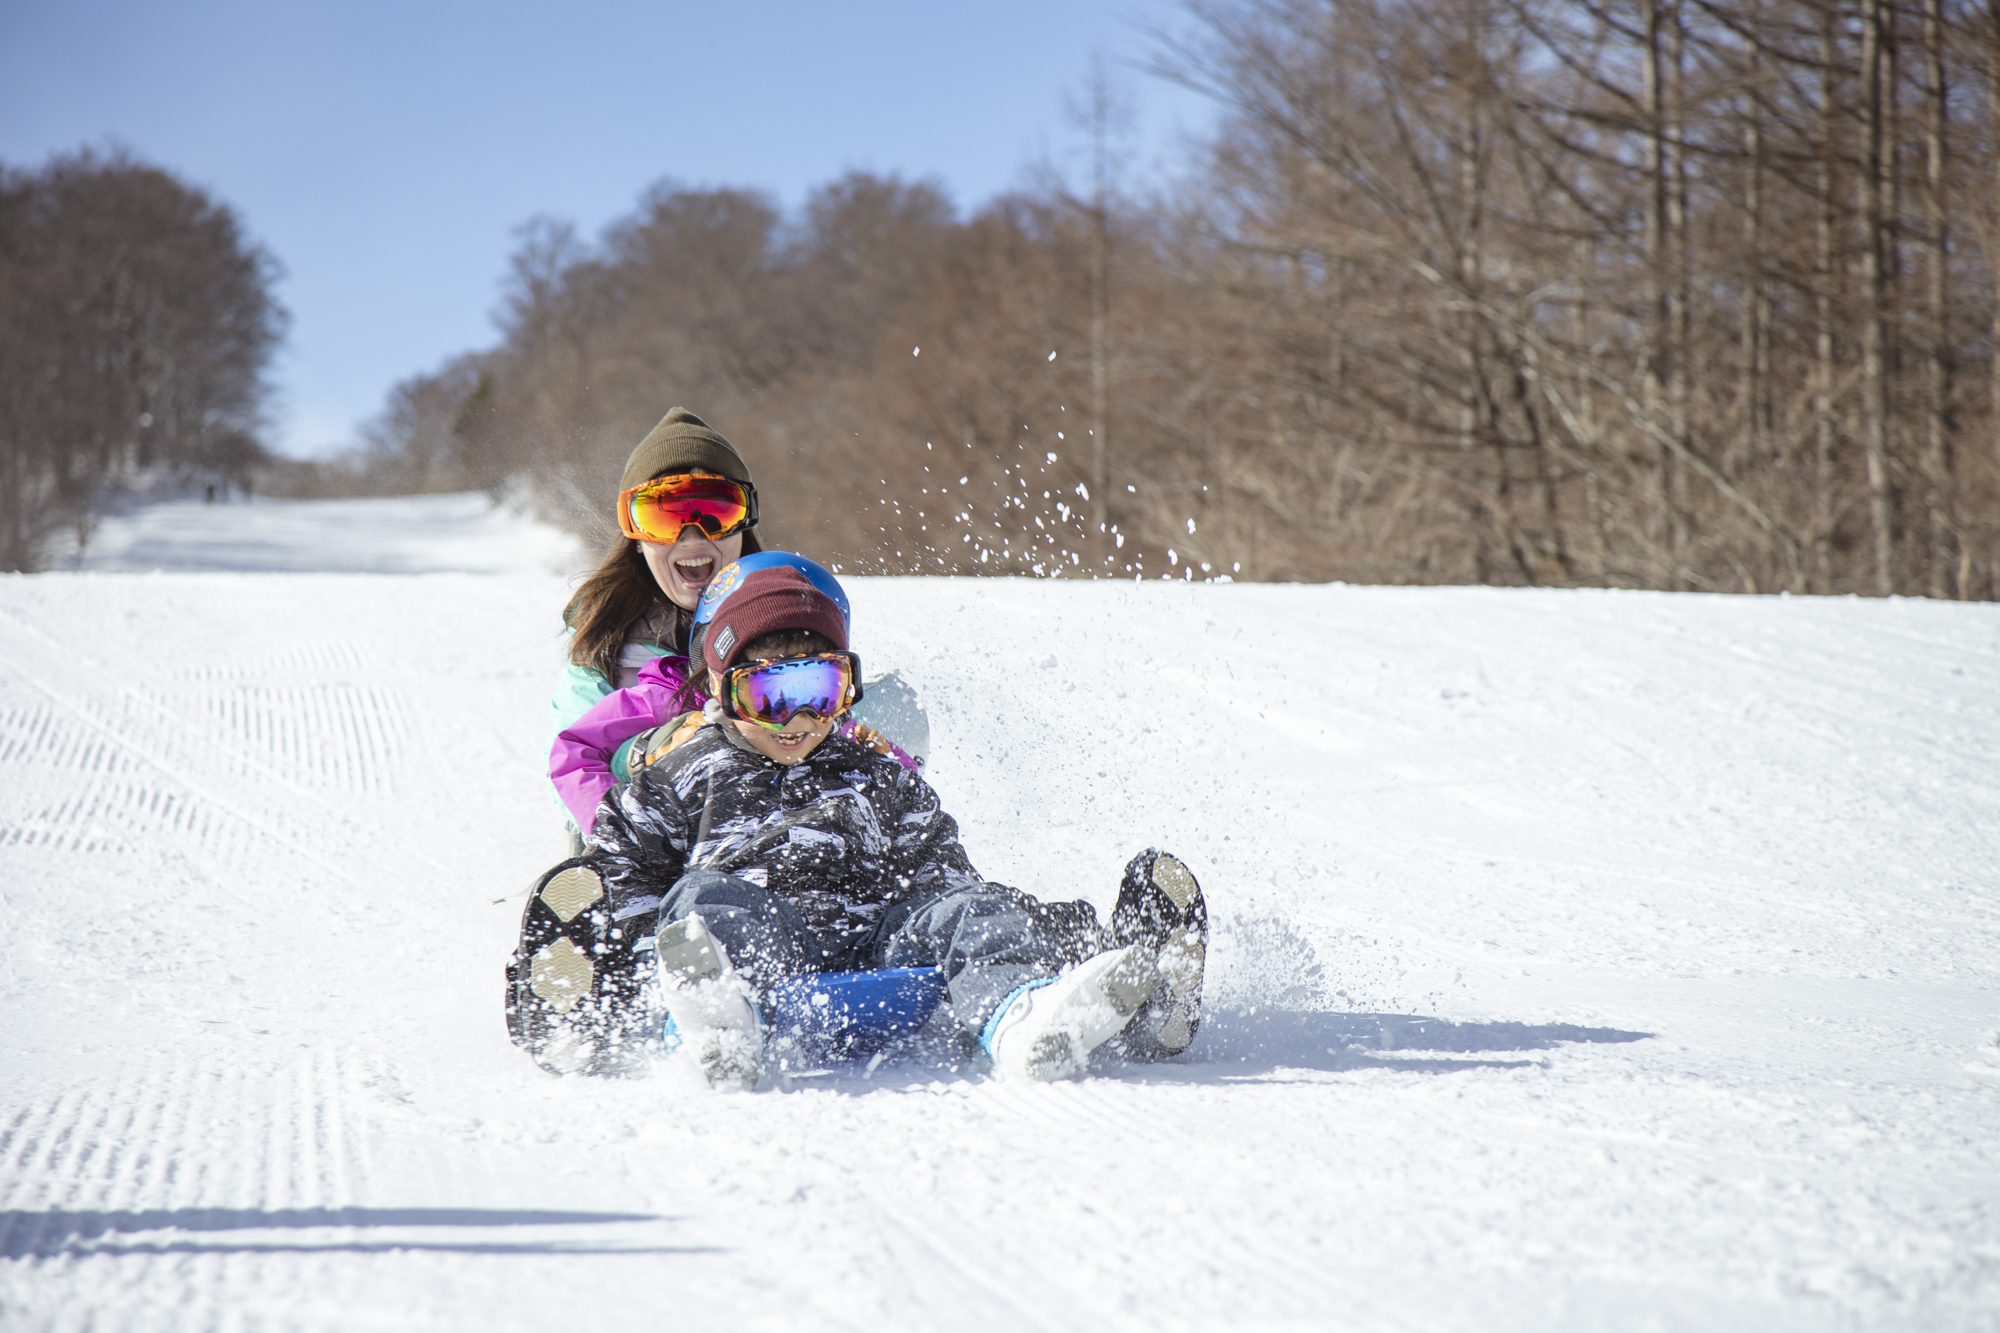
{"x": 1581, "y": 961}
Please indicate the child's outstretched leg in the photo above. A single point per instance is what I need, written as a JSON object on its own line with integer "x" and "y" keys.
{"x": 1140, "y": 1000}
{"x": 1160, "y": 907}
{"x": 721, "y": 942}
{"x": 711, "y": 1005}
{"x": 1003, "y": 961}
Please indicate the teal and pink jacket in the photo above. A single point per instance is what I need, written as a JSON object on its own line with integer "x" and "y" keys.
{"x": 592, "y": 754}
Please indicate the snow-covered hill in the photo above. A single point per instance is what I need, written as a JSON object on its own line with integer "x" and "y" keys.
{"x": 1582, "y": 961}
{"x": 421, "y": 534}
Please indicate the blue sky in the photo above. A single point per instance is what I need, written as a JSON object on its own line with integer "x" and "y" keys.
{"x": 385, "y": 152}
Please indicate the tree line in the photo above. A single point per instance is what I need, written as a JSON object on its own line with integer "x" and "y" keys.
{"x": 1686, "y": 294}
{"x": 1652, "y": 293}
{"x": 136, "y": 323}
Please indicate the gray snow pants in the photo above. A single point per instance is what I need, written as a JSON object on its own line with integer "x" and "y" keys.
{"x": 988, "y": 941}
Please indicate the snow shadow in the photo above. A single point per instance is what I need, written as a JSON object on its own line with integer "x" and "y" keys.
{"x": 42, "y": 1235}
{"x": 1263, "y": 1040}
{"x": 1240, "y": 1041}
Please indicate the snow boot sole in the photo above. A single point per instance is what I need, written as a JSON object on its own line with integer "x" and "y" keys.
{"x": 572, "y": 984}
{"x": 1160, "y": 905}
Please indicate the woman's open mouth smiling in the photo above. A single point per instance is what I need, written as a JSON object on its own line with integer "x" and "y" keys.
{"x": 695, "y": 570}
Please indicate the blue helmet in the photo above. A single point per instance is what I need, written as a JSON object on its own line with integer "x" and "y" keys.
{"x": 730, "y": 575}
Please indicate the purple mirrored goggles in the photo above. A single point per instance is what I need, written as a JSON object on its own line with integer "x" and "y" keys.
{"x": 771, "y": 694}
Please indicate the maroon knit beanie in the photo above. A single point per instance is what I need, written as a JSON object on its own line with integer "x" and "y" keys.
{"x": 770, "y": 599}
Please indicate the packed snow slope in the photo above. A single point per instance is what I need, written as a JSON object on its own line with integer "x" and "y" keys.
{"x": 1582, "y": 961}
{"x": 422, "y": 534}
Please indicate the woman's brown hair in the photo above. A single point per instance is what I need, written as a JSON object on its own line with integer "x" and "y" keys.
{"x": 619, "y": 593}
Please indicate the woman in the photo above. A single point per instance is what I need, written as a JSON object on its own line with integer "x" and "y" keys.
{"x": 687, "y": 506}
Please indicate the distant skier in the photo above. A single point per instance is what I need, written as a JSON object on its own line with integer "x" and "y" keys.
{"x": 761, "y": 845}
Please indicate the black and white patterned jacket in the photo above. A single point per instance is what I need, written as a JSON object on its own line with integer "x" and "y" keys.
{"x": 843, "y": 834}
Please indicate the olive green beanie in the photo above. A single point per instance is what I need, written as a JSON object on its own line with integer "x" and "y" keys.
{"x": 682, "y": 442}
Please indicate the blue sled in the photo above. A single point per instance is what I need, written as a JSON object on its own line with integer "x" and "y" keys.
{"x": 846, "y": 1015}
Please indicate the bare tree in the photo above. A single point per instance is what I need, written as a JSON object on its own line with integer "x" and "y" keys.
{"x": 136, "y": 322}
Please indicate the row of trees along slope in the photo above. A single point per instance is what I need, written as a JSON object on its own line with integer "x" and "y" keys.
{"x": 1656, "y": 293}
{"x": 136, "y": 323}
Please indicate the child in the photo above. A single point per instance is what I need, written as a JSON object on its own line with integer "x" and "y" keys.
{"x": 763, "y": 845}
{"x": 610, "y": 741}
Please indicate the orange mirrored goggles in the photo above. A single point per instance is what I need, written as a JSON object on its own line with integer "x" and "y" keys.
{"x": 657, "y": 510}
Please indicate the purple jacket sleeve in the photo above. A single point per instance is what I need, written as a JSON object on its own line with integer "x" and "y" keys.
{"x": 580, "y": 759}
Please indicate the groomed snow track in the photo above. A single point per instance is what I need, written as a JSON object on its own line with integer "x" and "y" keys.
{"x": 1582, "y": 961}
